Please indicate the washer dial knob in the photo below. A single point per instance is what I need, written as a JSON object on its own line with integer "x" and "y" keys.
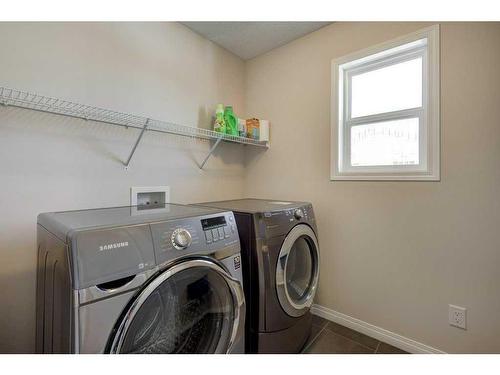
{"x": 298, "y": 214}
{"x": 181, "y": 238}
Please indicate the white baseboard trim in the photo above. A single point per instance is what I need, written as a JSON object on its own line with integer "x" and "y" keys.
{"x": 378, "y": 333}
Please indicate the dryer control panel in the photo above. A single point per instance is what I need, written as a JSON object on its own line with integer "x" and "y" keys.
{"x": 279, "y": 222}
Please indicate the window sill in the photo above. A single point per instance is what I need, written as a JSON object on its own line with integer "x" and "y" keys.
{"x": 430, "y": 178}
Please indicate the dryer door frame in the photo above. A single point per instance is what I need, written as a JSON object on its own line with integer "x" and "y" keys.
{"x": 233, "y": 284}
{"x": 289, "y": 305}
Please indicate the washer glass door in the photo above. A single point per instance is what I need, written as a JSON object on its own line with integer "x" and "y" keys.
{"x": 193, "y": 307}
{"x": 297, "y": 270}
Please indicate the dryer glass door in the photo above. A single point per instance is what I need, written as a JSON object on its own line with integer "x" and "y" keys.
{"x": 297, "y": 270}
{"x": 193, "y": 307}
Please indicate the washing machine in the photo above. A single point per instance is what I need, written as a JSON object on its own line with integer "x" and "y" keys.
{"x": 280, "y": 257}
{"x": 134, "y": 280}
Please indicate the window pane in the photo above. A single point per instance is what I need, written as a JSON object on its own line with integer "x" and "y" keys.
{"x": 392, "y": 88}
{"x": 385, "y": 143}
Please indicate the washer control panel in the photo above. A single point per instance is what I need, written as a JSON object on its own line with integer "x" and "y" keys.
{"x": 193, "y": 235}
{"x": 218, "y": 228}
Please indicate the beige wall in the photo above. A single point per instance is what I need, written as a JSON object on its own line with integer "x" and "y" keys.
{"x": 394, "y": 254}
{"x": 54, "y": 163}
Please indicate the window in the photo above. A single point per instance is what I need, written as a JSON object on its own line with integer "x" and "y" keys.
{"x": 385, "y": 111}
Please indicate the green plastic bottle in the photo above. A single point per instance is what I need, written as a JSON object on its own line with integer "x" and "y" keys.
{"x": 220, "y": 123}
{"x": 231, "y": 121}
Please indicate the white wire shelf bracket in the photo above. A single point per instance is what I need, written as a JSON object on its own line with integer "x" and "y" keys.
{"x": 41, "y": 103}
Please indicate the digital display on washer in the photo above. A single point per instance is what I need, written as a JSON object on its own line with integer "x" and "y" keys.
{"x": 213, "y": 222}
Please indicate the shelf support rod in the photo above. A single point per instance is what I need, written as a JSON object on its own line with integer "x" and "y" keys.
{"x": 137, "y": 143}
{"x": 211, "y": 152}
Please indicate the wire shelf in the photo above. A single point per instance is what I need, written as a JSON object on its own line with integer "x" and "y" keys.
{"x": 28, "y": 100}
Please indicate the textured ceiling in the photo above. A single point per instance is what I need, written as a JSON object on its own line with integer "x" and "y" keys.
{"x": 250, "y": 39}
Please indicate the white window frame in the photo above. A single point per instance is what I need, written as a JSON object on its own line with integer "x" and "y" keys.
{"x": 424, "y": 43}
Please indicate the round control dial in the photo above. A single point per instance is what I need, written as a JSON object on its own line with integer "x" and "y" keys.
{"x": 181, "y": 238}
{"x": 298, "y": 214}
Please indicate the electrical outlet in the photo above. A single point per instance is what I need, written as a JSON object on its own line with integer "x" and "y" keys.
{"x": 457, "y": 316}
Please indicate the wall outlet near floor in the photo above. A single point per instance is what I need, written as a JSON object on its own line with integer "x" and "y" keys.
{"x": 145, "y": 197}
{"x": 457, "y": 316}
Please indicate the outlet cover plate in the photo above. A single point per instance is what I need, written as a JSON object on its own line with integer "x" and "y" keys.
{"x": 136, "y": 190}
{"x": 457, "y": 316}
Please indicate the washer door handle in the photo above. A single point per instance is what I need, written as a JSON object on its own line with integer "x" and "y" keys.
{"x": 239, "y": 309}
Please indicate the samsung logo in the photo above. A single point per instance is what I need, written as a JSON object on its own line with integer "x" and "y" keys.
{"x": 113, "y": 246}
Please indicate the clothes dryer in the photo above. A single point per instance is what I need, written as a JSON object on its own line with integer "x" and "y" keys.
{"x": 280, "y": 260}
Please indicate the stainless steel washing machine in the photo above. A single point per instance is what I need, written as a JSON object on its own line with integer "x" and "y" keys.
{"x": 280, "y": 257}
{"x": 129, "y": 280}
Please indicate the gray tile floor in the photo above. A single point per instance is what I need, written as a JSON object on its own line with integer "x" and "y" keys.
{"x": 331, "y": 338}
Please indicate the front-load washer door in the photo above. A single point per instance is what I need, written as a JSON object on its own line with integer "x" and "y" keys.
{"x": 192, "y": 307}
{"x": 297, "y": 270}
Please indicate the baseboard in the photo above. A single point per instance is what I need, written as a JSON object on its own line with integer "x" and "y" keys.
{"x": 378, "y": 333}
